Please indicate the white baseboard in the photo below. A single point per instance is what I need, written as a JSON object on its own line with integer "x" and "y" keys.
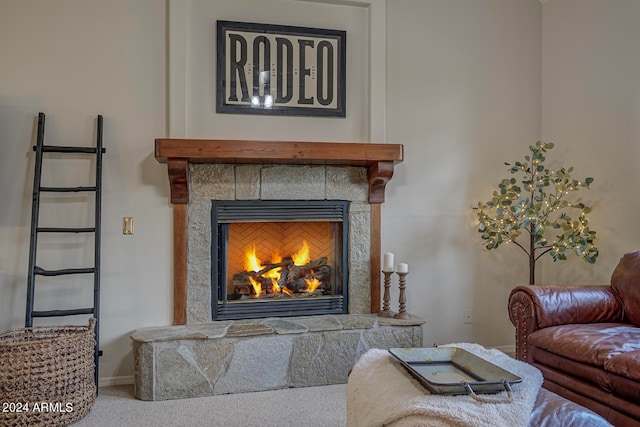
{"x": 508, "y": 349}
{"x": 109, "y": 381}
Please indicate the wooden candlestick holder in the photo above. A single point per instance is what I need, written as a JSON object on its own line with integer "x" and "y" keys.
{"x": 402, "y": 312}
{"x": 386, "y": 312}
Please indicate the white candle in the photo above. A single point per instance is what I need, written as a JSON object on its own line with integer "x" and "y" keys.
{"x": 387, "y": 265}
{"x": 403, "y": 268}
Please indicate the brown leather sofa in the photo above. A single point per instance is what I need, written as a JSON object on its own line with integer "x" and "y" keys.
{"x": 586, "y": 340}
{"x": 551, "y": 410}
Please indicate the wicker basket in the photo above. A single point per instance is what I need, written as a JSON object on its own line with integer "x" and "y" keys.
{"x": 47, "y": 375}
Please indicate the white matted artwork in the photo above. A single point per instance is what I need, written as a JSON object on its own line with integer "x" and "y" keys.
{"x": 280, "y": 70}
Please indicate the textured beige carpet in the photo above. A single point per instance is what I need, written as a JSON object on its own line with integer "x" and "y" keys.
{"x": 307, "y": 406}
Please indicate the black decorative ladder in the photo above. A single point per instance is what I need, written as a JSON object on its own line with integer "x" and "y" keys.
{"x": 34, "y": 270}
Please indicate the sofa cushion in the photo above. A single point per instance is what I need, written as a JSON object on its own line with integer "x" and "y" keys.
{"x": 625, "y": 364}
{"x": 615, "y": 403}
{"x": 575, "y": 374}
{"x": 552, "y": 410}
{"x": 571, "y": 368}
{"x": 627, "y": 389}
{"x": 625, "y": 281}
{"x": 592, "y": 343}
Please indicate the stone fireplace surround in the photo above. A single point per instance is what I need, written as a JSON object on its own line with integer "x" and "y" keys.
{"x": 205, "y": 358}
{"x": 274, "y": 182}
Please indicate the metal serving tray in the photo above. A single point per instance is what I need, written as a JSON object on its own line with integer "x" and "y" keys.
{"x": 452, "y": 370}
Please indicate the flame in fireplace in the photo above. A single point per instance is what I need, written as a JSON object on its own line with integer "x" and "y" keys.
{"x": 276, "y": 257}
{"x": 302, "y": 256}
{"x": 274, "y": 285}
{"x": 253, "y": 264}
{"x": 257, "y": 287}
{"x": 274, "y": 274}
{"x": 312, "y": 284}
{"x": 251, "y": 261}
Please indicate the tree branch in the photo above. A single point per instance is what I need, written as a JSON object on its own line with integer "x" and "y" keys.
{"x": 548, "y": 250}
{"x": 520, "y": 246}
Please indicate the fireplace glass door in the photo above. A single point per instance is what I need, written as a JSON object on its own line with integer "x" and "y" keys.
{"x": 278, "y": 258}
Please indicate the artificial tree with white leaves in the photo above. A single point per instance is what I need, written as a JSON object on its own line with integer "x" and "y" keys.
{"x": 538, "y": 212}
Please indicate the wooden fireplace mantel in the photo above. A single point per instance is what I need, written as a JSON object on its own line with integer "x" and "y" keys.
{"x": 178, "y": 153}
{"x": 379, "y": 159}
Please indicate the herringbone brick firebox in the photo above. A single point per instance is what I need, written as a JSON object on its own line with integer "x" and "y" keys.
{"x": 279, "y": 258}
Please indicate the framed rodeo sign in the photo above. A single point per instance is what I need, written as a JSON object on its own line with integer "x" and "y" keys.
{"x": 280, "y": 70}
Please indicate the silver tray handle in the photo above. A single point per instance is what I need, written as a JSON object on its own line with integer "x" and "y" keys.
{"x": 473, "y": 394}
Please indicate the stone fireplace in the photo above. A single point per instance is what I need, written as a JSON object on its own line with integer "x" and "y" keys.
{"x": 276, "y": 258}
{"x": 201, "y": 171}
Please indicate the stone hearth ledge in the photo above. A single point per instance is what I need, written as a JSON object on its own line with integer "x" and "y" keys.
{"x": 237, "y": 356}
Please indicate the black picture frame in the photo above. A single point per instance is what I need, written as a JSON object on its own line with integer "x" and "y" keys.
{"x": 306, "y": 73}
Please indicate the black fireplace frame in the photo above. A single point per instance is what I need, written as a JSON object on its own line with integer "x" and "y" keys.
{"x": 225, "y": 212}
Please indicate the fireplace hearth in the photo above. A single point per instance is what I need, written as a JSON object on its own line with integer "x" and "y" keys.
{"x": 279, "y": 258}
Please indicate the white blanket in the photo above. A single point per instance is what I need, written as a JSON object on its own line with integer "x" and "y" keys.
{"x": 381, "y": 392}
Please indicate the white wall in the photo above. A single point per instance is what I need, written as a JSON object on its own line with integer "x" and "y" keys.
{"x": 73, "y": 60}
{"x": 200, "y": 70}
{"x": 591, "y": 109}
{"x": 463, "y": 90}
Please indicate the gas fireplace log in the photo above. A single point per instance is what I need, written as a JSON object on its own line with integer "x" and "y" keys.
{"x": 315, "y": 293}
{"x": 270, "y": 267}
{"x": 297, "y": 285}
{"x": 241, "y": 284}
{"x": 324, "y": 273}
{"x": 243, "y": 278}
{"x": 296, "y": 271}
{"x": 294, "y": 277}
{"x": 284, "y": 278}
{"x": 241, "y": 290}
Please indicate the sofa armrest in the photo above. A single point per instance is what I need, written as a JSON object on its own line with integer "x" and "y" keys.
{"x": 536, "y": 307}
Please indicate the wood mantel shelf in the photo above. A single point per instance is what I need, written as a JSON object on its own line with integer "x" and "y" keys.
{"x": 379, "y": 159}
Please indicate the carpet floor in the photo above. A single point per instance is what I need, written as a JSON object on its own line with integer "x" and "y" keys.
{"x": 324, "y": 406}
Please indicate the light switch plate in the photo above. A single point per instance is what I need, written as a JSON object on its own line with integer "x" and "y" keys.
{"x": 127, "y": 225}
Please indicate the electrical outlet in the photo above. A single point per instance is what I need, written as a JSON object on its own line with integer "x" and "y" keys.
{"x": 468, "y": 316}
